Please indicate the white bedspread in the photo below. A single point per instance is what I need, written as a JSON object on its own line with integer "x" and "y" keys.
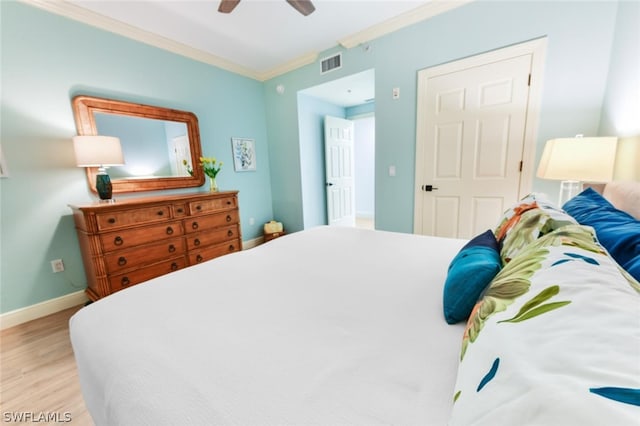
{"x": 330, "y": 326}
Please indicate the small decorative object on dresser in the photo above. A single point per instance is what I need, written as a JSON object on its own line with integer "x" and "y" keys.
{"x": 131, "y": 241}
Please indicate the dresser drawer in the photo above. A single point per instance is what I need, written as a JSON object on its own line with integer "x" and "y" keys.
{"x": 212, "y": 205}
{"x": 124, "y": 218}
{"x": 122, "y": 260}
{"x": 180, "y": 210}
{"x": 118, "y": 282}
{"x": 204, "y": 239}
{"x": 203, "y": 223}
{"x": 201, "y": 255}
{"x": 127, "y": 238}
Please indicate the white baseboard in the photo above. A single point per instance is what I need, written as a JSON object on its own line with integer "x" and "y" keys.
{"x": 42, "y": 309}
{"x": 252, "y": 243}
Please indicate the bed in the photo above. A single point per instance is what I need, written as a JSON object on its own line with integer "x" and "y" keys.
{"x": 344, "y": 326}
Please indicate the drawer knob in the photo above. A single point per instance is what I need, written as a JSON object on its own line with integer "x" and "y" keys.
{"x": 180, "y": 210}
{"x": 231, "y": 247}
{"x": 112, "y": 220}
{"x": 118, "y": 241}
{"x": 194, "y": 225}
{"x": 169, "y": 230}
{"x": 199, "y": 258}
{"x": 125, "y": 281}
{"x": 196, "y": 242}
{"x": 160, "y": 213}
{"x": 228, "y": 218}
{"x": 198, "y": 207}
{"x": 174, "y": 266}
{"x": 229, "y": 233}
{"x": 228, "y": 202}
{"x": 172, "y": 248}
{"x": 122, "y": 261}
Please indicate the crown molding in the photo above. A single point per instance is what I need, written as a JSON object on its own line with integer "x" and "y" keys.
{"x": 411, "y": 17}
{"x": 77, "y": 13}
{"x": 71, "y": 11}
{"x": 289, "y": 66}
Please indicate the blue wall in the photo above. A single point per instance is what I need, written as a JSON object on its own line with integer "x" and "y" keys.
{"x": 579, "y": 34}
{"x": 48, "y": 59}
{"x": 621, "y": 108}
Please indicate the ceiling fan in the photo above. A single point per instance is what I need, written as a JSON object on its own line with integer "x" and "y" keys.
{"x": 303, "y": 6}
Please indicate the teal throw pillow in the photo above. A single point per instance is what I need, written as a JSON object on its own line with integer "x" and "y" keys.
{"x": 470, "y": 272}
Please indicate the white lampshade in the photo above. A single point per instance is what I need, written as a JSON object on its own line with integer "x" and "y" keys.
{"x": 97, "y": 151}
{"x": 628, "y": 159}
{"x": 577, "y": 160}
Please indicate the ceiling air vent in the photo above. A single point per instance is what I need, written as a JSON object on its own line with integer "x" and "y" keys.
{"x": 331, "y": 63}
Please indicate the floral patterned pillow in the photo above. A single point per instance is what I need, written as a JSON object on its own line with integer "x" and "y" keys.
{"x": 526, "y": 221}
{"x": 554, "y": 340}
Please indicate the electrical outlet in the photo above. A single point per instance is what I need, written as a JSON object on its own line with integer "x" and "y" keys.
{"x": 251, "y": 221}
{"x": 57, "y": 265}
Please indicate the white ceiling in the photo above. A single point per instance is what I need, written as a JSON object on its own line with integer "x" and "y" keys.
{"x": 260, "y": 38}
{"x": 355, "y": 89}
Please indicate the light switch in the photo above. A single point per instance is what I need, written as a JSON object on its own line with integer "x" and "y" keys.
{"x": 392, "y": 170}
{"x": 396, "y": 93}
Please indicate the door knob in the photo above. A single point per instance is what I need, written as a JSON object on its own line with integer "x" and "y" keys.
{"x": 428, "y": 188}
{"x": 328, "y": 184}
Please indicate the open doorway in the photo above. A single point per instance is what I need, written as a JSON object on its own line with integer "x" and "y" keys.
{"x": 351, "y": 98}
{"x": 364, "y": 170}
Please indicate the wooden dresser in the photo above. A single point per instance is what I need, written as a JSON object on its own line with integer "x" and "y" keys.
{"x": 130, "y": 241}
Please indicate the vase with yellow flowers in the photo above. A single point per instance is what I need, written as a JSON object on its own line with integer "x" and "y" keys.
{"x": 211, "y": 167}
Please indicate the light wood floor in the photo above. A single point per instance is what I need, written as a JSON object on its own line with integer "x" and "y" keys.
{"x": 38, "y": 372}
{"x": 365, "y": 223}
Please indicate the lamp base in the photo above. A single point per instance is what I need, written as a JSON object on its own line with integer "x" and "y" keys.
{"x": 568, "y": 190}
{"x": 103, "y": 186}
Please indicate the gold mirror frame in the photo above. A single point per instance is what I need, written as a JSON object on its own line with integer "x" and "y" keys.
{"x": 84, "y": 108}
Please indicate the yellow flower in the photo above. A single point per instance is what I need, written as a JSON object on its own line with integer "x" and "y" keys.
{"x": 208, "y": 165}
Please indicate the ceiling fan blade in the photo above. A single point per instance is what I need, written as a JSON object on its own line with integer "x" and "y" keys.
{"x": 226, "y": 6}
{"x": 303, "y": 6}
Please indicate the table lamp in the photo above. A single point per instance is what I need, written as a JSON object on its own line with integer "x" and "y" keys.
{"x": 101, "y": 152}
{"x": 577, "y": 160}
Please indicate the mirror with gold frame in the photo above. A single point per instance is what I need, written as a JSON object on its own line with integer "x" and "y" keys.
{"x": 156, "y": 143}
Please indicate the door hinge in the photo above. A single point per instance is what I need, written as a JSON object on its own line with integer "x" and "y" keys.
{"x": 529, "y": 82}
{"x": 520, "y": 168}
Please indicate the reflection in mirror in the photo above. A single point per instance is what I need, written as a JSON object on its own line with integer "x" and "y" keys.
{"x": 152, "y": 148}
{"x": 155, "y": 142}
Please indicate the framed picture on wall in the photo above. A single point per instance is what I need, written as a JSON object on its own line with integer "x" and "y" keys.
{"x": 244, "y": 154}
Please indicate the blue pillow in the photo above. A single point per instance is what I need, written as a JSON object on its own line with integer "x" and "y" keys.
{"x": 617, "y": 231}
{"x": 473, "y": 268}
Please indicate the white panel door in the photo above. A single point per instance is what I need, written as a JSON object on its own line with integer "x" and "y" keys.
{"x": 178, "y": 152}
{"x": 338, "y": 144}
{"x": 472, "y": 146}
